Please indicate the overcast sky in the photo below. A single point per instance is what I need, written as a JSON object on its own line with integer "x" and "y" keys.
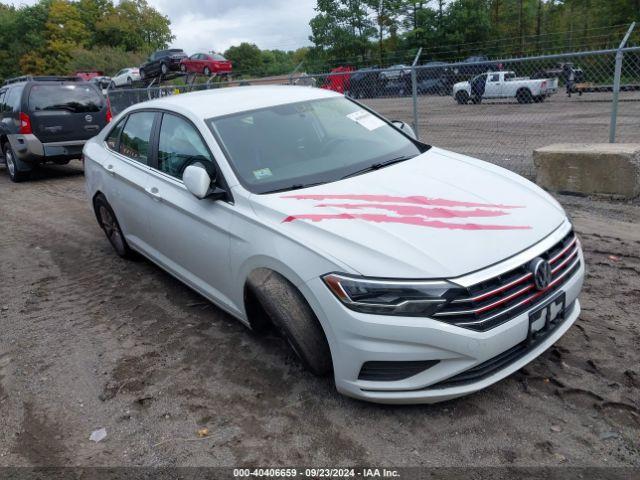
{"x": 204, "y": 25}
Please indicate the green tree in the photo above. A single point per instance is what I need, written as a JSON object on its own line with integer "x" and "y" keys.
{"x": 246, "y": 59}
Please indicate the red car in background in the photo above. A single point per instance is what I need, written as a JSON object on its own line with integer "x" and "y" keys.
{"x": 339, "y": 80}
{"x": 87, "y": 75}
{"x": 207, "y": 64}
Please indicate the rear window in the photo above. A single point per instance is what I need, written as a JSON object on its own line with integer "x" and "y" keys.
{"x": 217, "y": 56}
{"x": 72, "y": 98}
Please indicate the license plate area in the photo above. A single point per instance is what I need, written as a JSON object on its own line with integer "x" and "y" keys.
{"x": 546, "y": 317}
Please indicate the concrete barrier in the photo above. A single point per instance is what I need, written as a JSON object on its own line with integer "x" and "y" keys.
{"x": 602, "y": 168}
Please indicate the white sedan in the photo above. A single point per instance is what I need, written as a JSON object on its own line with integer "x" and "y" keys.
{"x": 126, "y": 76}
{"x": 412, "y": 273}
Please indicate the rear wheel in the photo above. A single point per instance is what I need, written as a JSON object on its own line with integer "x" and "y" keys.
{"x": 524, "y": 96}
{"x": 462, "y": 97}
{"x": 15, "y": 168}
{"x": 206, "y": 71}
{"x": 109, "y": 224}
{"x": 129, "y": 81}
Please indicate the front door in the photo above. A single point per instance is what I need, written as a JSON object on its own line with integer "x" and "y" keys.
{"x": 188, "y": 236}
{"x": 494, "y": 86}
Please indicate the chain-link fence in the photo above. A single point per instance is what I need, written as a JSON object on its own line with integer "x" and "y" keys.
{"x": 496, "y": 110}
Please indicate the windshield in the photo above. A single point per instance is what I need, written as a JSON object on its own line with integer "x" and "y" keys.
{"x": 73, "y": 98}
{"x": 306, "y": 143}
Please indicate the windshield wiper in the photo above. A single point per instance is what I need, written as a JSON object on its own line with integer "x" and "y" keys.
{"x": 295, "y": 186}
{"x": 379, "y": 165}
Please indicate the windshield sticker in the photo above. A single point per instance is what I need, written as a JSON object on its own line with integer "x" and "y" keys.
{"x": 413, "y": 210}
{"x": 365, "y": 119}
{"x": 262, "y": 173}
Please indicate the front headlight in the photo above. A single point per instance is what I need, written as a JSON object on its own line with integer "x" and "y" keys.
{"x": 413, "y": 298}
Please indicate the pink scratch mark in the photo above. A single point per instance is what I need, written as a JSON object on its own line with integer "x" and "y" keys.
{"x": 418, "y": 221}
{"x": 417, "y": 210}
{"x": 415, "y": 199}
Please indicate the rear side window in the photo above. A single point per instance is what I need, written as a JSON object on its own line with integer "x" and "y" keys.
{"x": 134, "y": 141}
{"x": 114, "y": 136}
{"x": 71, "y": 98}
{"x": 12, "y": 99}
{"x": 217, "y": 56}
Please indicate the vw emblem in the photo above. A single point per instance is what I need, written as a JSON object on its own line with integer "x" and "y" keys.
{"x": 541, "y": 271}
{"x": 88, "y": 118}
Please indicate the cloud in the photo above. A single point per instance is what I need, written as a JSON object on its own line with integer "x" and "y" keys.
{"x": 204, "y": 25}
{"x": 218, "y": 24}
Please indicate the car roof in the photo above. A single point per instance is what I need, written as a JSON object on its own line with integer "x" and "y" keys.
{"x": 229, "y": 100}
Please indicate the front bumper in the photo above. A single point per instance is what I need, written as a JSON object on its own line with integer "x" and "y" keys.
{"x": 356, "y": 338}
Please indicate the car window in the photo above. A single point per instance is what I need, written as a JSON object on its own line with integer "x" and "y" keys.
{"x": 134, "y": 141}
{"x": 76, "y": 98}
{"x": 114, "y": 136}
{"x": 180, "y": 145}
{"x": 2, "y": 94}
{"x": 494, "y": 78}
{"x": 325, "y": 140}
{"x": 12, "y": 99}
{"x": 219, "y": 57}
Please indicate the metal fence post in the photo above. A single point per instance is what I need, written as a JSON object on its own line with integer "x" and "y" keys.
{"x": 414, "y": 93}
{"x": 616, "y": 85}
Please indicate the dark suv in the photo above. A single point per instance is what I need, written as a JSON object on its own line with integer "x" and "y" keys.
{"x": 47, "y": 119}
{"x": 162, "y": 62}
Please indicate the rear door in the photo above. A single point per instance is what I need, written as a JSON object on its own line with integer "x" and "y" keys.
{"x": 129, "y": 152}
{"x": 65, "y": 112}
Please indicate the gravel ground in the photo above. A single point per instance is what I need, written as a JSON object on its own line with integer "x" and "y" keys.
{"x": 89, "y": 340}
{"x": 507, "y": 133}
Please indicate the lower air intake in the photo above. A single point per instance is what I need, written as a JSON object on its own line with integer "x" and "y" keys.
{"x": 391, "y": 371}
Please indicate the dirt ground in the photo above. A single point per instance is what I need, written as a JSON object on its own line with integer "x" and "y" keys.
{"x": 88, "y": 340}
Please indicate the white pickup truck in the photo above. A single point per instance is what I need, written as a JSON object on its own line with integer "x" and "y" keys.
{"x": 504, "y": 85}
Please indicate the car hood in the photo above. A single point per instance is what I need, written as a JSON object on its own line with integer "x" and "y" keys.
{"x": 438, "y": 215}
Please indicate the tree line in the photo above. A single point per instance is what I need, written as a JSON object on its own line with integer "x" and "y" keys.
{"x": 64, "y": 36}
{"x": 383, "y": 32}
{"x": 54, "y": 37}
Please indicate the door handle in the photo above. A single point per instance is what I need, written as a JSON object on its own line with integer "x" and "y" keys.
{"x": 154, "y": 193}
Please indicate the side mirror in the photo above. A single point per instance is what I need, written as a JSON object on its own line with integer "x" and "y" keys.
{"x": 405, "y": 127}
{"x": 197, "y": 180}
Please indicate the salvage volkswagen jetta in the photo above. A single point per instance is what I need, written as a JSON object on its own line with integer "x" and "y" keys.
{"x": 414, "y": 273}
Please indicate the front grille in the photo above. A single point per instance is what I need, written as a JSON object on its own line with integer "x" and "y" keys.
{"x": 501, "y": 361}
{"x": 391, "y": 371}
{"x": 490, "y": 303}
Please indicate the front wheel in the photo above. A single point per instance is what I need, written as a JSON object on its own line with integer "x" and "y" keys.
{"x": 462, "y": 97}
{"x": 183, "y": 68}
{"x": 109, "y": 224}
{"x": 15, "y": 174}
{"x": 142, "y": 74}
{"x": 129, "y": 81}
{"x": 164, "y": 69}
{"x": 294, "y": 318}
